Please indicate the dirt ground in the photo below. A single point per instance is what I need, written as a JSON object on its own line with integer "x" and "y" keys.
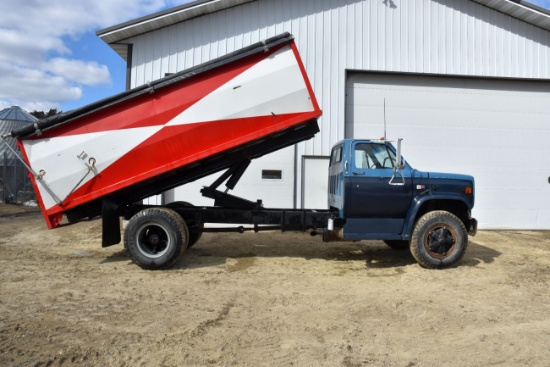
{"x": 268, "y": 299}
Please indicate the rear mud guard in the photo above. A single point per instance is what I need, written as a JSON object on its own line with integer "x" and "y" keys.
{"x": 110, "y": 223}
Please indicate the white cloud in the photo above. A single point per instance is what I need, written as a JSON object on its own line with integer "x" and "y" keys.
{"x": 86, "y": 73}
{"x": 36, "y": 65}
{"x": 31, "y": 87}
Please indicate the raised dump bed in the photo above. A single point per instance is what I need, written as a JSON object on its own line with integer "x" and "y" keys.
{"x": 101, "y": 157}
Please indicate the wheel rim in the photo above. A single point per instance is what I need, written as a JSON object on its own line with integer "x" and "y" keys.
{"x": 153, "y": 240}
{"x": 440, "y": 241}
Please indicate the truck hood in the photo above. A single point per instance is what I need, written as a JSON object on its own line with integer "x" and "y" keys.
{"x": 450, "y": 176}
{"x": 448, "y": 183}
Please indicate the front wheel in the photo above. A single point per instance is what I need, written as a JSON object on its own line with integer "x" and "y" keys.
{"x": 439, "y": 240}
{"x": 156, "y": 238}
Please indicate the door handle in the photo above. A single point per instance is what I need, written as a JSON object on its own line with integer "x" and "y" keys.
{"x": 359, "y": 173}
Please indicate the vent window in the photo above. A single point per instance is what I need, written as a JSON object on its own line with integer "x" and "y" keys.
{"x": 271, "y": 174}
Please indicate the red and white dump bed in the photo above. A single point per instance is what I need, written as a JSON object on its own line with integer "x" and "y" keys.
{"x": 175, "y": 130}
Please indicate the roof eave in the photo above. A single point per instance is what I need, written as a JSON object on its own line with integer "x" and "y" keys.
{"x": 194, "y": 9}
{"x": 521, "y": 10}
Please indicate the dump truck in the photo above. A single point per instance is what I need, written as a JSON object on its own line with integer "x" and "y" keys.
{"x": 105, "y": 158}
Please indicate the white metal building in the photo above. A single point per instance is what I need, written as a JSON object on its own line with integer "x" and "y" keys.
{"x": 466, "y": 83}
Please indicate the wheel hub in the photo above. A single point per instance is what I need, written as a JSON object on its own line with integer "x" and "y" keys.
{"x": 154, "y": 239}
{"x": 440, "y": 241}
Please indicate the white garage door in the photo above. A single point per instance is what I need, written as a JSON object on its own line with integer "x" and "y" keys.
{"x": 496, "y": 130}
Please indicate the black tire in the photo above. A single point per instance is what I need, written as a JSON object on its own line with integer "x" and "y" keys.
{"x": 156, "y": 238}
{"x": 397, "y": 244}
{"x": 439, "y": 240}
{"x": 195, "y": 230}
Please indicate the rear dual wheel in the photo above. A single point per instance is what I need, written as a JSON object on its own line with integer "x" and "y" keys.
{"x": 195, "y": 227}
{"x": 156, "y": 238}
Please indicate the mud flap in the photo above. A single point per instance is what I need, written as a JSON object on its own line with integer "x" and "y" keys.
{"x": 111, "y": 223}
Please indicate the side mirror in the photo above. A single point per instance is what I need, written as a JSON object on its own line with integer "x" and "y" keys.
{"x": 398, "y": 166}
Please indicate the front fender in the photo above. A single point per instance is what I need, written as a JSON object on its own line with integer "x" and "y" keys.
{"x": 439, "y": 201}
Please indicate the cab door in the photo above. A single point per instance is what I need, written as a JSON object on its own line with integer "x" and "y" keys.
{"x": 376, "y": 209}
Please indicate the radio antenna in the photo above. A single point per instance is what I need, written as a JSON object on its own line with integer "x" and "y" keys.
{"x": 384, "y": 118}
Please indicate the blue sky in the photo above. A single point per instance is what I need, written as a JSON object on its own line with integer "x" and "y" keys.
{"x": 541, "y": 3}
{"x": 50, "y": 56}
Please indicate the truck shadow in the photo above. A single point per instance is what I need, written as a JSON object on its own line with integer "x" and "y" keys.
{"x": 218, "y": 251}
{"x": 372, "y": 255}
{"x": 477, "y": 254}
{"x": 215, "y": 251}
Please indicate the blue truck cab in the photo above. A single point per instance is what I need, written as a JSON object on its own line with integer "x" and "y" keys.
{"x": 379, "y": 196}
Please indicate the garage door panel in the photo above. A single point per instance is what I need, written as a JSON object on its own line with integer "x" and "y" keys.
{"x": 486, "y": 127}
{"x": 496, "y": 130}
{"x": 508, "y": 198}
{"x": 524, "y": 219}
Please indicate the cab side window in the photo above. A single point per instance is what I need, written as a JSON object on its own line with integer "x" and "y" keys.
{"x": 336, "y": 156}
{"x": 373, "y": 156}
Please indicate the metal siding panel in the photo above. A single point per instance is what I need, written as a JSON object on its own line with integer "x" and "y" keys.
{"x": 433, "y": 37}
{"x": 173, "y": 46}
{"x": 454, "y": 39}
{"x": 205, "y": 39}
{"x": 149, "y": 53}
{"x": 271, "y": 14}
{"x": 262, "y": 23}
{"x": 499, "y": 45}
{"x": 426, "y": 32}
{"x": 277, "y": 12}
{"x": 419, "y": 39}
{"x": 231, "y": 30}
{"x": 395, "y": 19}
{"x": 385, "y": 38}
{"x": 222, "y": 34}
{"x": 340, "y": 72}
{"x": 485, "y": 43}
{"x": 359, "y": 32}
{"x": 189, "y": 47}
{"x": 521, "y": 51}
{"x": 239, "y": 28}
{"x": 529, "y": 50}
{"x": 464, "y": 45}
{"x": 536, "y": 50}
{"x": 328, "y": 90}
{"x": 514, "y": 48}
{"x": 325, "y": 82}
{"x": 246, "y": 21}
{"x": 404, "y": 17}
{"x": 544, "y": 60}
{"x": 164, "y": 66}
{"x": 373, "y": 34}
{"x": 213, "y": 36}
{"x": 156, "y": 59}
